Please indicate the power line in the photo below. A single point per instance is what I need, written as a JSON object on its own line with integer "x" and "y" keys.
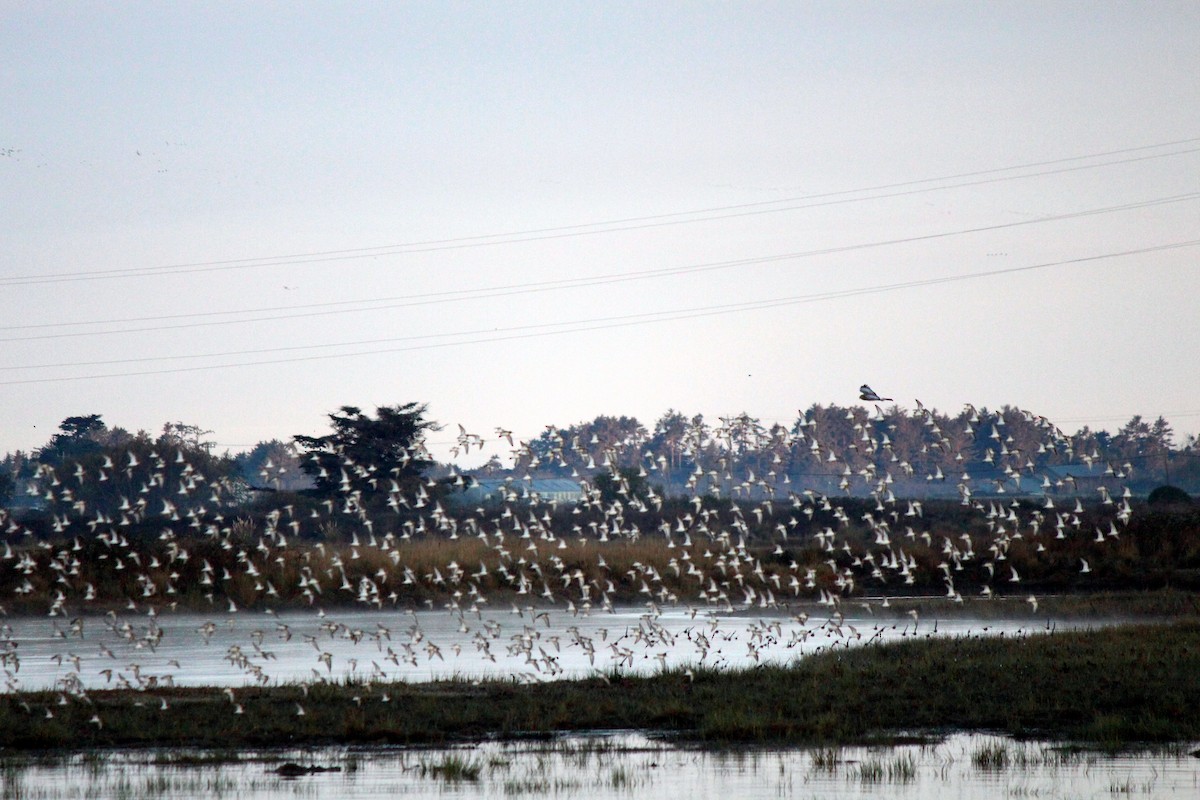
{"x": 883, "y": 191}
{"x": 547, "y": 329}
{"x": 432, "y": 298}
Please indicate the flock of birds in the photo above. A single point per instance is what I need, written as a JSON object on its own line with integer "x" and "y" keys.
{"x": 521, "y": 587}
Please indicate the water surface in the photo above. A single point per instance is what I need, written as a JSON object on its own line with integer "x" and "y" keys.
{"x": 618, "y": 765}
{"x": 190, "y": 649}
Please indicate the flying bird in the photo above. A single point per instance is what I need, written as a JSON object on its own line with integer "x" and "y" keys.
{"x": 868, "y": 394}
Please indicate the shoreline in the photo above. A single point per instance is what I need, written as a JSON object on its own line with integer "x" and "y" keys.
{"x": 1110, "y": 687}
{"x": 1164, "y": 602}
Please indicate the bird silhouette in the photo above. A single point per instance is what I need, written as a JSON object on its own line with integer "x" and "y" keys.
{"x": 868, "y": 394}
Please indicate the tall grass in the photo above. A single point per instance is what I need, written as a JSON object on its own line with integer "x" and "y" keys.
{"x": 453, "y": 768}
{"x": 991, "y": 757}
{"x": 826, "y": 759}
{"x": 1158, "y": 551}
{"x": 897, "y": 769}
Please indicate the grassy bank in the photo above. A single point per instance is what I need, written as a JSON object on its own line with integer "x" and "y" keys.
{"x": 575, "y": 555}
{"x": 1112, "y": 686}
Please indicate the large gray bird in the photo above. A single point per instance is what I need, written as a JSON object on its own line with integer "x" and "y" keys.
{"x": 868, "y": 394}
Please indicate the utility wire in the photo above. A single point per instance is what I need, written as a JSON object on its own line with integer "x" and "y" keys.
{"x": 549, "y": 329}
{"x": 884, "y": 191}
{"x": 432, "y": 298}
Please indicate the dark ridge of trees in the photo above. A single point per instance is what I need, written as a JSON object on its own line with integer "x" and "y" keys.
{"x": 603, "y": 442}
{"x": 77, "y": 437}
{"x": 88, "y": 468}
{"x": 369, "y": 457}
{"x": 920, "y": 453}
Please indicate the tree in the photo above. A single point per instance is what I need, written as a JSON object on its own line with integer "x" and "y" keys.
{"x": 365, "y": 454}
{"x": 77, "y": 437}
{"x": 1169, "y": 495}
{"x": 273, "y": 464}
{"x": 90, "y": 469}
{"x": 615, "y": 439}
{"x": 670, "y": 432}
{"x": 1162, "y": 433}
{"x": 180, "y": 434}
{"x": 604, "y": 442}
{"x": 624, "y": 485}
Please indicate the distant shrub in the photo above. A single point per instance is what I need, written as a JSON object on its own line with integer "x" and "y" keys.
{"x": 1169, "y": 495}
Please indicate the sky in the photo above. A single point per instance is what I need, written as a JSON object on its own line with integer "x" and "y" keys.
{"x": 243, "y": 216}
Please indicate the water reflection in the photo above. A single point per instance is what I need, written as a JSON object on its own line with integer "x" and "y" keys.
{"x": 615, "y": 765}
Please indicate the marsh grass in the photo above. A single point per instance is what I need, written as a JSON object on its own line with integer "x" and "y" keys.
{"x": 580, "y": 753}
{"x": 126, "y": 783}
{"x": 1054, "y": 578}
{"x": 900, "y": 768}
{"x": 1131, "y": 786}
{"x": 539, "y": 785}
{"x": 826, "y": 759}
{"x": 991, "y": 757}
{"x": 869, "y": 771}
{"x": 621, "y": 777}
{"x": 453, "y": 768}
{"x": 1139, "y": 571}
{"x": 217, "y": 757}
{"x": 998, "y": 755}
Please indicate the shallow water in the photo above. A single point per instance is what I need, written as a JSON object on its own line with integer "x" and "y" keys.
{"x": 615, "y": 766}
{"x": 535, "y": 644}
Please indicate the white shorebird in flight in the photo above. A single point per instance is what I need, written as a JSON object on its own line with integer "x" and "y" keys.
{"x": 868, "y": 394}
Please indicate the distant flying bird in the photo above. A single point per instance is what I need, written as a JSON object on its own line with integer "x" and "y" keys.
{"x": 868, "y": 394}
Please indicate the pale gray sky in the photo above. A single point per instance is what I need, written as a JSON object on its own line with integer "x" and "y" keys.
{"x": 871, "y": 142}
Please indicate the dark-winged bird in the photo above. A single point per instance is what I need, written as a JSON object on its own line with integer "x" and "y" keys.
{"x": 868, "y": 394}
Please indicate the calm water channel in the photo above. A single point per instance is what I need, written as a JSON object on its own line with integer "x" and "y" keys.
{"x": 616, "y": 766}
{"x": 238, "y": 649}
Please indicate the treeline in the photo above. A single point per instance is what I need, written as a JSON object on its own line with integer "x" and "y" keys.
{"x": 834, "y": 447}
{"x": 844, "y": 450}
{"x": 101, "y": 465}
{"x": 731, "y": 513}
